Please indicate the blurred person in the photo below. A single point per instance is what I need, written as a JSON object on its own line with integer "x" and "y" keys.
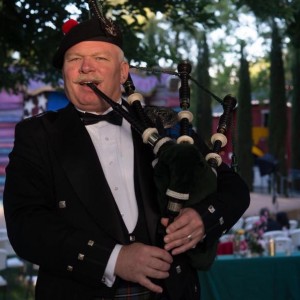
{"x": 283, "y": 220}
{"x": 269, "y": 222}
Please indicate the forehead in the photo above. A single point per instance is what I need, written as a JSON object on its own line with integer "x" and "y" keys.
{"x": 93, "y": 47}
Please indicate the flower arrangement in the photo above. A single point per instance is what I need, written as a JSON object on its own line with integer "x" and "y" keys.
{"x": 254, "y": 236}
{"x": 240, "y": 245}
{"x": 255, "y": 245}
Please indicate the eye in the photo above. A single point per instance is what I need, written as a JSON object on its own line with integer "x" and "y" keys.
{"x": 100, "y": 58}
{"x": 74, "y": 58}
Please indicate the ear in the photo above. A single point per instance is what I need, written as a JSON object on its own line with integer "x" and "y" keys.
{"x": 124, "y": 72}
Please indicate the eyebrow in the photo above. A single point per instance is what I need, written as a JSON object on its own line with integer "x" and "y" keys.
{"x": 106, "y": 53}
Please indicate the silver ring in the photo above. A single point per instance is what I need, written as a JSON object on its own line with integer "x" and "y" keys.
{"x": 189, "y": 237}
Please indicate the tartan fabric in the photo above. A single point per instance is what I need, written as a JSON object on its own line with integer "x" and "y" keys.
{"x": 133, "y": 292}
{"x": 130, "y": 291}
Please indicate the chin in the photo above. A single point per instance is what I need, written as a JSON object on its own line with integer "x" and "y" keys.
{"x": 95, "y": 107}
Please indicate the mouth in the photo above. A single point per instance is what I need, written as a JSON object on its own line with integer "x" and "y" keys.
{"x": 88, "y": 82}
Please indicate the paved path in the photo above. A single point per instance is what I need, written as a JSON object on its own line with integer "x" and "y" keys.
{"x": 290, "y": 205}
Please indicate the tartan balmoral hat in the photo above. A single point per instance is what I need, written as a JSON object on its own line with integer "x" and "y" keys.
{"x": 94, "y": 29}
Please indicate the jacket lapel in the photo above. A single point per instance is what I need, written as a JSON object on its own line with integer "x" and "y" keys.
{"x": 144, "y": 181}
{"x": 79, "y": 159}
{"x": 143, "y": 173}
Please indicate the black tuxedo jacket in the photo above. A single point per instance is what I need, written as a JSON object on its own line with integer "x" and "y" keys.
{"x": 60, "y": 212}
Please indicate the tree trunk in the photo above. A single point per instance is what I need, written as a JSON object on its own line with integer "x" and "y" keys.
{"x": 244, "y": 124}
{"x": 203, "y": 120}
{"x": 295, "y": 132}
{"x": 278, "y": 112}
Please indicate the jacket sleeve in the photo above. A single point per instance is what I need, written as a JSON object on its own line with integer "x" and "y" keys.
{"x": 221, "y": 210}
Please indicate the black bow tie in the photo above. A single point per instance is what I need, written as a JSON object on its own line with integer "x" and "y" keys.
{"x": 112, "y": 117}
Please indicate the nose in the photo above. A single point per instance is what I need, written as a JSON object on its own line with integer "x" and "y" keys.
{"x": 86, "y": 65}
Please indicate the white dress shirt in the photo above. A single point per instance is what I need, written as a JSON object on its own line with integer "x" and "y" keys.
{"x": 114, "y": 147}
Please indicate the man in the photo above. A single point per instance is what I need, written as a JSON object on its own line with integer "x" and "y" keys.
{"x": 80, "y": 199}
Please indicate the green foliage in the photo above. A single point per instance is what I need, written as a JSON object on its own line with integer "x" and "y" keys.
{"x": 31, "y": 30}
{"x": 270, "y": 8}
{"x": 260, "y": 79}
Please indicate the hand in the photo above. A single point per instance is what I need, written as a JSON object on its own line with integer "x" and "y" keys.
{"x": 184, "y": 233}
{"x": 138, "y": 262}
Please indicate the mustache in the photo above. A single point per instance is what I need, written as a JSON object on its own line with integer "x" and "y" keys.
{"x": 84, "y": 80}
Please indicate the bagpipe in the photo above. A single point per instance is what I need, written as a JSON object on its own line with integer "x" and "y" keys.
{"x": 183, "y": 176}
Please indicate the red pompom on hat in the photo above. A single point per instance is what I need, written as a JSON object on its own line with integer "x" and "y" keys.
{"x": 68, "y": 25}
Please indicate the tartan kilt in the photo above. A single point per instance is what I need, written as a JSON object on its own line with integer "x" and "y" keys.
{"x": 130, "y": 291}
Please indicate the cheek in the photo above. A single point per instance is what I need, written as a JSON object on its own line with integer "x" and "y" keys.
{"x": 70, "y": 88}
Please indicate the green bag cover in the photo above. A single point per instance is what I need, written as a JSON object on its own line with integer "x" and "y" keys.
{"x": 183, "y": 169}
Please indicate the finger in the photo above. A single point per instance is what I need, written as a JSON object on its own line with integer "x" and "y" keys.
{"x": 181, "y": 249}
{"x": 147, "y": 283}
{"x": 183, "y": 244}
{"x": 192, "y": 227}
{"x": 160, "y": 265}
{"x": 164, "y": 221}
{"x": 187, "y": 244}
{"x": 188, "y": 219}
{"x": 178, "y": 224}
{"x": 180, "y": 234}
{"x": 161, "y": 257}
{"x": 157, "y": 274}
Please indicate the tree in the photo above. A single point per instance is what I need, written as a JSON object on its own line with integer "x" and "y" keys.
{"x": 202, "y": 100}
{"x": 30, "y": 31}
{"x": 295, "y": 135}
{"x": 293, "y": 31}
{"x": 244, "y": 122}
{"x": 283, "y": 13}
{"x": 278, "y": 116}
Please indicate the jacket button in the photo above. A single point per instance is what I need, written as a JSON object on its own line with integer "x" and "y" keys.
{"x": 70, "y": 268}
{"x": 62, "y": 204}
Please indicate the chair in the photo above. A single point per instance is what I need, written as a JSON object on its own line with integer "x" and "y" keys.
{"x": 12, "y": 260}
{"x": 5, "y": 244}
{"x": 31, "y": 279}
{"x": 3, "y": 233}
{"x": 250, "y": 221}
{"x": 238, "y": 225}
{"x": 274, "y": 234}
{"x": 295, "y": 237}
{"x": 293, "y": 224}
{"x": 226, "y": 238}
{"x": 3, "y": 282}
{"x": 294, "y": 176}
{"x": 283, "y": 245}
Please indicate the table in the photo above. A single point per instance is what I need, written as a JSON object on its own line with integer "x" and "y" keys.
{"x": 255, "y": 278}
